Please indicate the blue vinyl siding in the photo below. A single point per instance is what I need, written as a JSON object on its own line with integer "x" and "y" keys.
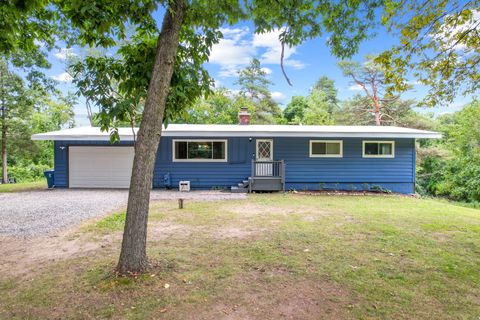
{"x": 206, "y": 175}
{"x": 302, "y": 172}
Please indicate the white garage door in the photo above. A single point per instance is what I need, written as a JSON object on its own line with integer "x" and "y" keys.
{"x": 100, "y": 167}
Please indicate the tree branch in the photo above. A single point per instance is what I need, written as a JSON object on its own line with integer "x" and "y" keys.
{"x": 281, "y": 65}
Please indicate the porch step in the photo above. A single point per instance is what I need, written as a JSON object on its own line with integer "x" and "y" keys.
{"x": 241, "y": 187}
{"x": 234, "y": 189}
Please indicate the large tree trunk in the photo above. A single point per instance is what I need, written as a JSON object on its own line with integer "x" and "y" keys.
{"x": 133, "y": 257}
{"x": 3, "y": 124}
{"x": 4, "y": 150}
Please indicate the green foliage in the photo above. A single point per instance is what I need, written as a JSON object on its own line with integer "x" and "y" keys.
{"x": 358, "y": 111}
{"x": 310, "y": 110}
{"x": 295, "y": 109}
{"x": 29, "y": 171}
{"x": 107, "y": 24}
{"x": 456, "y": 173}
{"x": 346, "y": 23}
{"x": 25, "y": 110}
{"x": 218, "y": 108}
{"x": 317, "y": 111}
{"x": 254, "y": 85}
{"x": 327, "y": 86}
{"x": 27, "y": 26}
{"x": 118, "y": 85}
{"x": 316, "y": 108}
{"x": 438, "y": 45}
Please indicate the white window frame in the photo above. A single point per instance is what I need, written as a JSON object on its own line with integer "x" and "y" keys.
{"x": 199, "y": 140}
{"x": 271, "y": 146}
{"x": 378, "y": 155}
{"x": 326, "y": 155}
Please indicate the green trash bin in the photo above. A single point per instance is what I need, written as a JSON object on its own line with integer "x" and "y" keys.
{"x": 50, "y": 175}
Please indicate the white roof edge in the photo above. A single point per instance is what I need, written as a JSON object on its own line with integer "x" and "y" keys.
{"x": 90, "y": 133}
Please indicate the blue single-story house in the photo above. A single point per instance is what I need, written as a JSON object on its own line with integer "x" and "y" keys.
{"x": 245, "y": 157}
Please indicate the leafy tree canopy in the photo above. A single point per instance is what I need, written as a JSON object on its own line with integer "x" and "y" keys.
{"x": 453, "y": 170}
{"x": 327, "y": 86}
{"x": 254, "y": 86}
{"x": 438, "y": 46}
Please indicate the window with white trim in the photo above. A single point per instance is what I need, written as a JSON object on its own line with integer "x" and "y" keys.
{"x": 200, "y": 150}
{"x": 378, "y": 149}
{"x": 326, "y": 148}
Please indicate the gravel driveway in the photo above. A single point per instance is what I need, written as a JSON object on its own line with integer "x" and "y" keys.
{"x": 42, "y": 212}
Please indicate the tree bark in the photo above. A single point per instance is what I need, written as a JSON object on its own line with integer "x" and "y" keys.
{"x": 3, "y": 120}
{"x": 377, "y": 115}
{"x": 133, "y": 257}
{"x": 376, "y": 103}
{"x": 4, "y": 149}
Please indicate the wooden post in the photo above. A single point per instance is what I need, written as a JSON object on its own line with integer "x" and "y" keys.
{"x": 180, "y": 203}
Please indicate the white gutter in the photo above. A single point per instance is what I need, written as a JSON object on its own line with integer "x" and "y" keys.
{"x": 193, "y": 134}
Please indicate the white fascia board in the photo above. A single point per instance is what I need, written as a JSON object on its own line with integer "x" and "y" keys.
{"x": 226, "y": 134}
{"x": 225, "y": 131}
{"x": 432, "y": 135}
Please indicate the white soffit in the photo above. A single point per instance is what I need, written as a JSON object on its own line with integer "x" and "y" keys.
{"x": 202, "y": 130}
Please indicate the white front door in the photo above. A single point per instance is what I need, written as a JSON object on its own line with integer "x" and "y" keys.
{"x": 264, "y": 153}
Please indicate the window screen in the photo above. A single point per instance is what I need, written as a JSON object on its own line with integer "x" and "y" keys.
{"x": 200, "y": 150}
{"x": 326, "y": 148}
{"x": 378, "y": 148}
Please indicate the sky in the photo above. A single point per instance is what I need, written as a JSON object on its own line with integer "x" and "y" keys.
{"x": 304, "y": 64}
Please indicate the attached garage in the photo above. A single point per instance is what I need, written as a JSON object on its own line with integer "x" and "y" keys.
{"x": 100, "y": 167}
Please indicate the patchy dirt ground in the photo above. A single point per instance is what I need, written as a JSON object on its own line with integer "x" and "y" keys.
{"x": 267, "y": 257}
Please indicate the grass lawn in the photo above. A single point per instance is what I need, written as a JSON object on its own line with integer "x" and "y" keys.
{"x": 23, "y": 186}
{"x": 268, "y": 257}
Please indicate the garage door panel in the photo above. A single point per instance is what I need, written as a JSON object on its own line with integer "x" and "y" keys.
{"x": 100, "y": 167}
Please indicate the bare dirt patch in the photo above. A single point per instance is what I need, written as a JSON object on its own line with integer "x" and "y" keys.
{"x": 26, "y": 256}
{"x": 236, "y": 233}
{"x": 163, "y": 230}
{"x": 305, "y": 299}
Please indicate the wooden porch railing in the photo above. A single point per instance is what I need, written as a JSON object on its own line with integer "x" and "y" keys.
{"x": 269, "y": 169}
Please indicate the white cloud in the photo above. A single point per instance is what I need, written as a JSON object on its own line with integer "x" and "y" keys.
{"x": 355, "y": 87}
{"x": 271, "y": 43}
{"x": 238, "y": 47}
{"x": 267, "y": 70}
{"x": 278, "y": 96}
{"x": 65, "y": 53}
{"x": 234, "y": 33}
{"x": 450, "y": 32}
{"x": 217, "y": 83}
{"x": 63, "y": 77}
{"x": 231, "y": 55}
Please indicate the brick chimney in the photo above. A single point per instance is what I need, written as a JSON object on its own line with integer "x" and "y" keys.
{"x": 243, "y": 116}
